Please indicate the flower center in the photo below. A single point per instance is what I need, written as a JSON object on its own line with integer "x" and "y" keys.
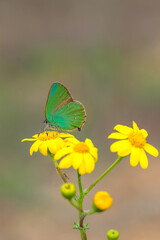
{"x": 137, "y": 139}
{"x": 81, "y": 148}
{"x": 47, "y": 135}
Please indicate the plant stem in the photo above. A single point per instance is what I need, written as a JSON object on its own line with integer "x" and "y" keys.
{"x": 80, "y": 205}
{"x": 61, "y": 174}
{"x": 103, "y": 175}
{"x": 83, "y": 235}
{"x": 75, "y": 206}
{"x": 80, "y": 184}
{"x": 81, "y": 194}
{"x": 84, "y": 214}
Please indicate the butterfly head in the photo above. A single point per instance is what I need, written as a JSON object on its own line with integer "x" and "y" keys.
{"x": 47, "y": 125}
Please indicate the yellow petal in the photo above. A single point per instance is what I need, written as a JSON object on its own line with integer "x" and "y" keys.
{"x": 115, "y": 146}
{"x": 93, "y": 150}
{"x": 65, "y": 135}
{"x": 151, "y": 150}
{"x": 55, "y": 144}
{"x": 62, "y": 152}
{"x": 35, "y": 136}
{"x": 89, "y": 143}
{"x": 28, "y": 139}
{"x": 82, "y": 170}
{"x": 135, "y": 156}
{"x": 88, "y": 163}
{"x": 117, "y": 136}
{"x": 66, "y": 162}
{"x": 72, "y": 140}
{"x": 135, "y": 127}
{"x": 35, "y": 146}
{"x": 68, "y": 144}
{"x": 60, "y": 142}
{"x": 143, "y": 159}
{"x": 94, "y": 153}
{"x": 123, "y": 147}
{"x": 42, "y": 135}
{"x": 77, "y": 160}
{"x": 43, "y": 148}
{"x": 52, "y": 146}
{"x": 123, "y": 129}
{"x": 144, "y": 132}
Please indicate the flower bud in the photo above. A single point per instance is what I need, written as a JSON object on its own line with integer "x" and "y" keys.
{"x": 68, "y": 190}
{"x": 102, "y": 201}
{"x": 112, "y": 234}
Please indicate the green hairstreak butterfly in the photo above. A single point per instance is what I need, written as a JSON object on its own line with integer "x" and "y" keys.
{"x": 62, "y": 111}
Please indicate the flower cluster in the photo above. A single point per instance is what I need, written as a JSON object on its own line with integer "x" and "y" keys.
{"x": 82, "y": 156}
{"x": 79, "y": 155}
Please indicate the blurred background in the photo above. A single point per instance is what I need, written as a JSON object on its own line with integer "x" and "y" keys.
{"x": 107, "y": 53}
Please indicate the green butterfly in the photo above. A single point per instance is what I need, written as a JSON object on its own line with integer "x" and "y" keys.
{"x": 62, "y": 111}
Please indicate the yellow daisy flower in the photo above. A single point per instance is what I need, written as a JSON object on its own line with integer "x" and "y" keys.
{"x": 49, "y": 140}
{"x": 102, "y": 201}
{"x": 79, "y": 155}
{"x": 132, "y": 141}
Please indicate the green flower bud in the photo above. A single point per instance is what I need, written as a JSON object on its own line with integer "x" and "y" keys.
{"x": 68, "y": 190}
{"x": 112, "y": 234}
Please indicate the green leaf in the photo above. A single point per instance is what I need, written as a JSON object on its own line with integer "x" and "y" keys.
{"x": 76, "y": 226}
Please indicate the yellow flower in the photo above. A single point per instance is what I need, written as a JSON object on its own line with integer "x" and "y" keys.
{"x": 49, "y": 140}
{"x": 79, "y": 155}
{"x": 102, "y": 201}
{"x": 132, "y": 141}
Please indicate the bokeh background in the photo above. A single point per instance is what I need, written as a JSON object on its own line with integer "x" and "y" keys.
{"x": 107, "y": 53}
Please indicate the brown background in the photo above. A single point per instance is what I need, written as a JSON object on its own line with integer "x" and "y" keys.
{"x": 108, "y": 55}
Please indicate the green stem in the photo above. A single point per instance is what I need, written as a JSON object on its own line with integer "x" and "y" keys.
{"x": 80, "y": 205}
{"x": 75, "y": 206}
{"x": 81, "y": 194}
{"x": 103, "y": 175}
{"x": 83, "y": 235}
{"x": 84, "y": 214}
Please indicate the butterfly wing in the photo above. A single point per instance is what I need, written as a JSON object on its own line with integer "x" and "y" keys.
{"x": 70, "y": 116}
{"x": 58, "y": 97}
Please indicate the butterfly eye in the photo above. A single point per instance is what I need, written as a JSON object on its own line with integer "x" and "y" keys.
{"x": 45, "y": 121}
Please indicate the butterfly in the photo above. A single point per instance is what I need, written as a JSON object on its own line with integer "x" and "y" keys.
{"x": 61, "y": 111}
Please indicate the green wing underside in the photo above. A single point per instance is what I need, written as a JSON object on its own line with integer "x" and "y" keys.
{"x": 57, "y": 98}
{"x": 61, "y": 111}
{"x": 69, "y": 116}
